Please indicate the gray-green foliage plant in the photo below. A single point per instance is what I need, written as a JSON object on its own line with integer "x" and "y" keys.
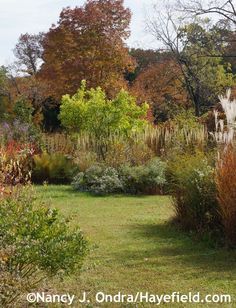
{"x": 102, "y": 180}
{"x": 145, "y": 178}
{"x": 35, "y": 242}
{"x": 99, "y": 180}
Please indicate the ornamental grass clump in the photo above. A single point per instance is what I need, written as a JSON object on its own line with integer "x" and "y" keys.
{"x": 226, "y": 188}
{"x": 225, "y": 134}
{"x": 181, "y": 134}
{"x": 226, "y": 168}
{"x": 193, "y": 187}
{"x": 54, "y": 168}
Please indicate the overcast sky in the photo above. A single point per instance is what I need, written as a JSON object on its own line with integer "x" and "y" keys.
{"x": 33, "y": 16}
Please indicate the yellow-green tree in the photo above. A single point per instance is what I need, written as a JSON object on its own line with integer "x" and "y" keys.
{"x": 90, "y": 111}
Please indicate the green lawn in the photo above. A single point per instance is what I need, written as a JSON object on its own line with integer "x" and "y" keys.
{"x": 133, "y": 248}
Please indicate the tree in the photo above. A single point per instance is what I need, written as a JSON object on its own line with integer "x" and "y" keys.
{"x": 192, "y": 46}
{"x": 161, "y": 85}
{"x": 226, "y": 12}
{"x": 88, "y": 43}
{"x": 28, "y": 86}
{"x": 4, "y": 94}
{"x": 28, "y": 52}
{"x": 145, "y": 58}
{"x": 224, "y": 8}
{"x": 30, "y": 89}
{"x": 91, "y": 112}
{"x": 228, "y": 34}
{"x": 25, "y": 84}
{"x": 231, "y": 50}
{"x": 208, "y": 73}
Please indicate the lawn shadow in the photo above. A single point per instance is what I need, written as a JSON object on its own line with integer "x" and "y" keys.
{"x": 105, "y": 196}
{"x": 166, "y": 242}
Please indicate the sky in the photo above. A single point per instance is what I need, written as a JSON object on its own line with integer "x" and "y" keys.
{"x": 33, "y": 16}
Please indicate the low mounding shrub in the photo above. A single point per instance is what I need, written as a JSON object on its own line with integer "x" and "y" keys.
{"x": 99, "y": 180}
{"x": 53, "y": 168}
{"x": 226, "y": 186}
{"x": 148, "y": 178}
{"x": 34, "y": 243}
{"x": 192, "y": 182}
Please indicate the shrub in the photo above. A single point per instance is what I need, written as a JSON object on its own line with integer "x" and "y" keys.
{"x": 34, "y": 243}
{"x": 193, "y": 187}
{"x": 91, "y": 112}
{"x": 99, "y": 180}
{"x": 15, "y": 163}
{"x": 53, "y": 168}
{"x": 23, "y": 111}
{"x": 148, "y": 178}
{"x": 226, "y": 186}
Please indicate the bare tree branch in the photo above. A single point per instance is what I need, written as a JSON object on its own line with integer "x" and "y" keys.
{"x": 226, "y": 9}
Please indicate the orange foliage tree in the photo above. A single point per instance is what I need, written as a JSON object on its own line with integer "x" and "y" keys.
{"x": 88, "y": 43}
{"x": 161, "y": 86}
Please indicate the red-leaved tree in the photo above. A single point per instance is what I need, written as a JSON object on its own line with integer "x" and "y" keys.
{"x": 88, "y": 42}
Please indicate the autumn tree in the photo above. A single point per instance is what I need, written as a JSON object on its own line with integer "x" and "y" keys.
{"x": 24, "y": 82}
{"x": 143, "y": 59}
{"x": 225, "y": 12}
{"x": 88, "y": 43}
{"x": 231, "y": 50}
{"x": 161, "y": 85}
{"x": 192, "y": 46}
{"x": 28, "y": 52}
{"x": 3, "y": 81}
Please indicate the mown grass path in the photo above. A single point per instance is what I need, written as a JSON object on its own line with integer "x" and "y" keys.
{"x": 133, "y": 248}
